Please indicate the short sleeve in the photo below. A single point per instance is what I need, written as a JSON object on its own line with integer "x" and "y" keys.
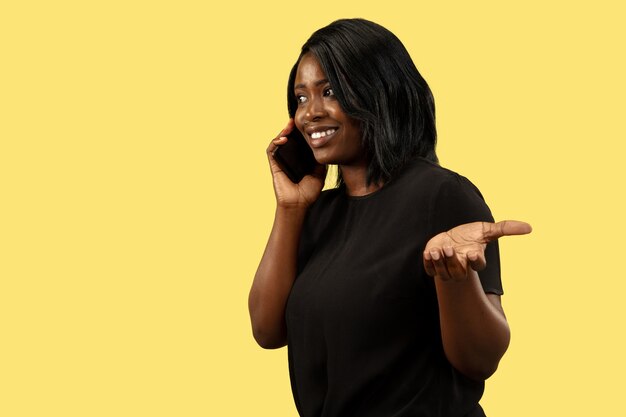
{"x": 457, "y": 202}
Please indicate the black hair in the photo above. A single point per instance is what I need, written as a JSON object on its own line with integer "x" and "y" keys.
{"x": 376, "y": 83}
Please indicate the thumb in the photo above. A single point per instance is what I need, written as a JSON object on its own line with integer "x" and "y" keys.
{"x": 493, "y": 231}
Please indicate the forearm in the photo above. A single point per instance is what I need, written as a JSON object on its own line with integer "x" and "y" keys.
{"x": 474, "y": 329}
{"x": 274, "y": 278}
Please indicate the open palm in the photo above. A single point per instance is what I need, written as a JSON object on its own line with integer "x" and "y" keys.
{"x": 449, "y": 254}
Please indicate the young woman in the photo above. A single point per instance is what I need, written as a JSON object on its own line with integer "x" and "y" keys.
{"x": 373, "y": 285}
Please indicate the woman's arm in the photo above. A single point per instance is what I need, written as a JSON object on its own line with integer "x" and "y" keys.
{"x": 277, "y": 270}
{"x": 474, "y": 330}
{"x": 274, "y": 278}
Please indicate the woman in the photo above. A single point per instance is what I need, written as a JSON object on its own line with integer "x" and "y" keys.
{"x": 373, "y": 284}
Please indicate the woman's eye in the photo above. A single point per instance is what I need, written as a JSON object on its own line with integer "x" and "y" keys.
{"x": 300, "y": 99}
{"x": 329, "y": 92}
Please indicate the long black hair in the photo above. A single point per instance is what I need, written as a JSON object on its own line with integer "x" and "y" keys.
{"x": 377, "y": 84}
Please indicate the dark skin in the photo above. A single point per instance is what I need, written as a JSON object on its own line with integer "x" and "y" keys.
{"x": 474, "y": 329}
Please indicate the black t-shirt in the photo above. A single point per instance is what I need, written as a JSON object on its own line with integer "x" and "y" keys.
{"x": 362, "y": 317}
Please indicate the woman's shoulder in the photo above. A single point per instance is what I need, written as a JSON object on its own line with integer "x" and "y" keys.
{"x": 427, "y": 175}
{"x": 437, "y": 190}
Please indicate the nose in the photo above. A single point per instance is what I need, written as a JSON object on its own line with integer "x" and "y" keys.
{"x": 315, "y": 109}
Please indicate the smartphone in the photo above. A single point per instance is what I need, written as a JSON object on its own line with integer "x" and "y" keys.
{"x": 295, "y": 157}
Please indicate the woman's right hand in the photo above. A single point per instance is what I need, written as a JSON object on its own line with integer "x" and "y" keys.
{"x": 288, "y": 194}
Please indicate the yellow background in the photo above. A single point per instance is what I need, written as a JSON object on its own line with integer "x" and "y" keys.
{"x": 135, "y": 198}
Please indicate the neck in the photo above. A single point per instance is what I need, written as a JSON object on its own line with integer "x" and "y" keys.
{"x": 355, "y": 179}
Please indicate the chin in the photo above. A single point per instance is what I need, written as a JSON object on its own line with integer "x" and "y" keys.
{"x": 322, "y": 157}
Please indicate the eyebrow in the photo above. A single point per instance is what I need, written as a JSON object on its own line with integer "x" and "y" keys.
{"x": 315, "y": 84}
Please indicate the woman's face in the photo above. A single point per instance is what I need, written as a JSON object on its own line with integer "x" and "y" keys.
{"x": 334, "y": 136}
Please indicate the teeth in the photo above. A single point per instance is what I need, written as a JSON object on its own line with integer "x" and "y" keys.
{"x": 317, "y": 135}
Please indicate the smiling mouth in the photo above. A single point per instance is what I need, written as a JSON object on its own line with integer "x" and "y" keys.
{"x": 319, "y": 135}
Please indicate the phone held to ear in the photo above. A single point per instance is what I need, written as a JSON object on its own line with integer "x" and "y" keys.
{"x": 295, "y": 157}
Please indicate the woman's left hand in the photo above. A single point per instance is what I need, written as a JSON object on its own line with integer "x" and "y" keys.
{"x": 450, "y": 255}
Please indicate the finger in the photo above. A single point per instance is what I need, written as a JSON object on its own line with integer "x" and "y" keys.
{"x": 476, "y": 260}
{"x": 287, "y": 129}
{"x": 439, "y": 263}
{"x": 428, "y": 264}
{"x": 456, "y": 270}
{"x": 281, "y": 138}
{"x": 493, "y": 231}
{"x": 275, "y": 143}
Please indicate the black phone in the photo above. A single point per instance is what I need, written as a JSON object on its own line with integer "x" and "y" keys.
{"x": 295, "y": 157}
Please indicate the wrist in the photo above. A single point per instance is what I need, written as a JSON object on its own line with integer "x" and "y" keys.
{"x": 292, "y": 211}
{"x": 292, "y": 207}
